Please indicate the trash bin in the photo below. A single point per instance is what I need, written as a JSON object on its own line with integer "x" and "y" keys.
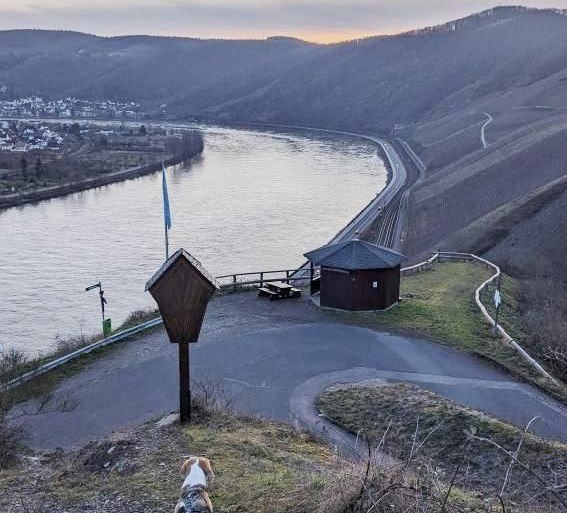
{"x": 107, "y": 327}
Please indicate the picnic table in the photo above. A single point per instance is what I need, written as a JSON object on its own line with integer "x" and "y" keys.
{"x": 278, "y": 290}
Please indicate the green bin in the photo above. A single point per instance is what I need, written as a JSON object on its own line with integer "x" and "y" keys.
{"x": 107, "y": 327}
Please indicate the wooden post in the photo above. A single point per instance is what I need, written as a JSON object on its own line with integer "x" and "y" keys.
{"x": 261, "y": 279}
{"x": 287, "y": 277}
{"x": 182, "y": 290}
{"x": 184, "y": 384}
{"x": 234, "y": 282}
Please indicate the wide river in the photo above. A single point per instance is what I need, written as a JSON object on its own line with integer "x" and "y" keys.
{"x": 253, "y": 201}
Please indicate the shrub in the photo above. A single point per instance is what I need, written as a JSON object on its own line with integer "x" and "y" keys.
{"x": 544, "y": 318}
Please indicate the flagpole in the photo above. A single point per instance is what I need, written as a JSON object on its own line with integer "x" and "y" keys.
{"x": 166, "y": 211}
{"x": 166, "y": 243}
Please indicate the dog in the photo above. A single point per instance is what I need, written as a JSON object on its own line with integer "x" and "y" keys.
{"x": 194, "y": 496}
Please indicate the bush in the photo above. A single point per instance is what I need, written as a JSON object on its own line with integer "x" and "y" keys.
{"x": 138, "y": 317}
{"x": 12, "y": 363}
{"x": 18, "y": 402}
{"x": 544, "y": 318}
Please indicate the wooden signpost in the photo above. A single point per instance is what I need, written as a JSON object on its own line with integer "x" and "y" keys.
{"x": 182, "y": 288}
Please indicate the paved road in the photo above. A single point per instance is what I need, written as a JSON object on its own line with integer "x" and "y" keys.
{"x": 263, "y": 351}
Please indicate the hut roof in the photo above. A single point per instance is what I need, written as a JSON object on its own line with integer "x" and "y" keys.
{"x": 181, "y": 253}
{"x": 355, "y": 255}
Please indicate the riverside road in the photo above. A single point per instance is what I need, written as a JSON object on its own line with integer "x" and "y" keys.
{"x": 273, "y": 358}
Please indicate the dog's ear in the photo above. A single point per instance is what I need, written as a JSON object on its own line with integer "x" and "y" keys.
{"x": 205, "y": 464}
{"x": 186, "y": 464}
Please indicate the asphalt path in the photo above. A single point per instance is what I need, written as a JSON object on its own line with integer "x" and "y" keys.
{"x": 273, "y": 359}
{"x": 483, "y": 130}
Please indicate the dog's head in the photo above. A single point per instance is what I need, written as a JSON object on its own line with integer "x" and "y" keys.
{"x": 203, "y": 463}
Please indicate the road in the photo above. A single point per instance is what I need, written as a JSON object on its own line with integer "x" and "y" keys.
{"x": 265, "y": 353}
{"x": 386, "y": 197}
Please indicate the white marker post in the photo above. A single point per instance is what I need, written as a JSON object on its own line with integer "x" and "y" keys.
{"x": 497, "y": 303}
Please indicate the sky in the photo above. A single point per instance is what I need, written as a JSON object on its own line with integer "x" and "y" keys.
{"x": 313, "y": 20}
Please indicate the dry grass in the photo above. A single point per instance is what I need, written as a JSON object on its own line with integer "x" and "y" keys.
{"x": 433, "y": 433}
{"x": 260, "y": 466}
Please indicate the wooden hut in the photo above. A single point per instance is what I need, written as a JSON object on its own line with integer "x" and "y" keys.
{"x": 357, "y": 275}
{"x": 182, "y": 287}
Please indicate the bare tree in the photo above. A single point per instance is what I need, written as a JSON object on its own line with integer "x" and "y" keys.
{"x": 20, "y": 401}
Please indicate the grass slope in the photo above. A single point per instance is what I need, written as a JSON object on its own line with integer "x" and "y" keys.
{"x": 442, "y": 427}
{"x": 260, "y": 466}
{"x": 439, "y": 304}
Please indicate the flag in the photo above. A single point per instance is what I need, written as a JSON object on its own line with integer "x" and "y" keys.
{"x": 166, "y": 211}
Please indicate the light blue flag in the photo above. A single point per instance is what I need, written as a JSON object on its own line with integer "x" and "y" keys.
{"x": 166, "y": 211}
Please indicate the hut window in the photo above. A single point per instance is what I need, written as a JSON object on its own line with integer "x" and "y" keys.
{"x": 374, "y": 284}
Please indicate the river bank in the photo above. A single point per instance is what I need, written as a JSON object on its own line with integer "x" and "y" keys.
{"x": 44, "y": 193}
{"x": 305, "y": 188}
{"x": 14, "y": 200}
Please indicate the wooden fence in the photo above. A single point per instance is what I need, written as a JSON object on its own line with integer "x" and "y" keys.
{"x": 258, "y": 279}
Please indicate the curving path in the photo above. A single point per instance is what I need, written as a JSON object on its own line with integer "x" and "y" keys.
{"x": 483, "y": 130}
{"x": 274, "y": 358}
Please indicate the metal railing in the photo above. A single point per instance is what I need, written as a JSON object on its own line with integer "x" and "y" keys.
{"x": 259, "y": 278}
{"x": 57, "y": 362}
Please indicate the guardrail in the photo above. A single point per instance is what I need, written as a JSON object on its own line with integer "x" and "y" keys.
{"x": 79, "y": 352}
{"x": 441, "y": 256}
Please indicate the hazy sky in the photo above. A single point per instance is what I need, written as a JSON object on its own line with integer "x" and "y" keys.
{"x": 318, "y": 20}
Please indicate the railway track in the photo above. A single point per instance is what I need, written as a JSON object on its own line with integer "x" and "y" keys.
{"x": 387, "y": 231}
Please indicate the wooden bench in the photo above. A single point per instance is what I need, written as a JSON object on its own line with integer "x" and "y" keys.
{"x": 264, "y": 292}
{"x": 295, "y": 292}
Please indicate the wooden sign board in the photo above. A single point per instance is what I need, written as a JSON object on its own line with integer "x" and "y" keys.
{"x": 182, "y": 288}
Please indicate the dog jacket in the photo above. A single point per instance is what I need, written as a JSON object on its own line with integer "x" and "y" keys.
{"x": 193, "y": 500}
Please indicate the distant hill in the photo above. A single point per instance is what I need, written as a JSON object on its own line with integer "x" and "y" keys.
{"x": 376, "y": 82}
{"x": 150, "y": 69}
{"x": 364, "y": 84}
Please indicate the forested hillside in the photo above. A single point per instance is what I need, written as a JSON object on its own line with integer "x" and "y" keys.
{"x": 365, "y": 84}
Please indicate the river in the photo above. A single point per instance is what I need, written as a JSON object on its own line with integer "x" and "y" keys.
{"x": 253, "y": 201}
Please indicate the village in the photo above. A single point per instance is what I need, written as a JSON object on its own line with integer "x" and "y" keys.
{"x": 19, "y": 137}
{"x": 69, "y": 108}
